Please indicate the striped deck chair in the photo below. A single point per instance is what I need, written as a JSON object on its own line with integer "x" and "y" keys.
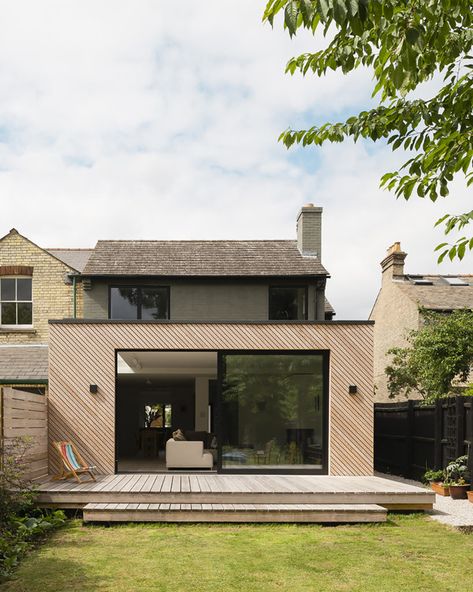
{"x": 73, "y": 464}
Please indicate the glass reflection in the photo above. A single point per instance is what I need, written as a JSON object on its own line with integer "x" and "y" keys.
{"x": 272, "y": 407}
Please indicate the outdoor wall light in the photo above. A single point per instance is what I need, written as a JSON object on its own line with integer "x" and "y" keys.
{"x": 352, "y": 389}
{"x": 93, "y": 388}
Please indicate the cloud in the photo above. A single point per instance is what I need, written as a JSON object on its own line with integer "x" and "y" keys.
{"x": 159, "y": 120}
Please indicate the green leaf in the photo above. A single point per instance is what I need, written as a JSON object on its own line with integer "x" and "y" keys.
{"x": 412, "y": 35}
{"x": 339, "y": 11}
{"x": 290, "y": 17}
{"x": 324, "y": 9}
{"x": 352, "y": 7}
{"x": 307, "y": 11}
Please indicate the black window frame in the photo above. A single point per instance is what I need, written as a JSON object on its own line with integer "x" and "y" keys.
{"x": 305, "y": 287}
{"x": 299, "y": 470}
{"x": 138, "y": 287}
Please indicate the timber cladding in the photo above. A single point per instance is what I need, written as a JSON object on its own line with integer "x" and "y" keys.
{"x": 83, "y": 353}
{"x": 22, "y": 415}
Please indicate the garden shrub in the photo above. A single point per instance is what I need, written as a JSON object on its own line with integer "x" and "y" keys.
{"x": 20, "y": 522}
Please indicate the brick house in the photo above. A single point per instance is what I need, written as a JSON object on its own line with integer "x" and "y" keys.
{"x": 396, "y": 310}
{"x": 35, "y": 285}
{"x": 231, "y": 342}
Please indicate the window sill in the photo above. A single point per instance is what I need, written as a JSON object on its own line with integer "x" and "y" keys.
{"x": 13, "y": 330}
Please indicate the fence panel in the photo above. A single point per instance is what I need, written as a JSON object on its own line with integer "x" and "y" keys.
{"x": 25, "y": 414}
{"x": 411, "y": 437}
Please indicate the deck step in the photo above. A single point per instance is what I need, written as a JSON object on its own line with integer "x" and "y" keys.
{"x": 313, "y": 513}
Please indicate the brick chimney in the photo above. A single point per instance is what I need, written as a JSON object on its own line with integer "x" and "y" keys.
{"x": 393, "y": 264}
{"x": 309, "y": 231}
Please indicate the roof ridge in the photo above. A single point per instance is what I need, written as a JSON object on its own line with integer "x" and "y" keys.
{"x": 70, "y": 248}
{"x": 203, "y": 240}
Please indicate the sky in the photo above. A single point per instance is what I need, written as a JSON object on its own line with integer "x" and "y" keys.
{"x": 159, "y": 120}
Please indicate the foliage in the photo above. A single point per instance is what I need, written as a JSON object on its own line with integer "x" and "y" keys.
{"x": 22, "y": 531}
{"x": 405, "y": 43}
{"x": 431, "y": 476}
{"x": 20, "y": 523}
{"x": 16, "y": 495}
{"x": 438, "y": 357}
{"x": 456, "y": 472}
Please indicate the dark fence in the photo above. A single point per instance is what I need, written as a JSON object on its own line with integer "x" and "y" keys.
{"x": 410, "y": 438}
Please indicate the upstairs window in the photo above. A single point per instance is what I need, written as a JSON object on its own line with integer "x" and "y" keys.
{"x": 287, "y": 303}
{"x": 147, "y": 303}
{"x": 16, "y": 302}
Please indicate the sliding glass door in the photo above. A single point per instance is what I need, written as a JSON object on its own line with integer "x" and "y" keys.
{"x": 273, "y": 412}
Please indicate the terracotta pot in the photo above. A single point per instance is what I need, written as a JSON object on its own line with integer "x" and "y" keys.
{"x": 459, "y": 491}
{"x": 440, "y": 488}
{"x": 470, "y": 496}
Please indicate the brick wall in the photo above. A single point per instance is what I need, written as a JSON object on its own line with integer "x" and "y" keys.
{"x": 395, "y": 315}
{"x": 52, "y": 297}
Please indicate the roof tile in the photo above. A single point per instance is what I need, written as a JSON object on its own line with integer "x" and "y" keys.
{"x": 201, "y": 258}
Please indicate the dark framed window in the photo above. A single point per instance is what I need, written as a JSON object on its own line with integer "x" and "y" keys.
{"x": 287, "y": 303}
{"x": 16, "y": 302}
{"x": 149, "y": 303}
{"x": 273, "y": 412}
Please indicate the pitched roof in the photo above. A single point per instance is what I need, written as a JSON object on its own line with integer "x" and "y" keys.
{"x": 201, "y": 258}
{"x": 329, "y": 307}
{"x": 440, "y": 295}
{"x": 52, "y": 252}
{"x": 23, "y": 362}
{"x": 75, "y": 258}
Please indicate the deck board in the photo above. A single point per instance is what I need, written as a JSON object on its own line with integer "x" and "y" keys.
{"x": 191, "y": 489}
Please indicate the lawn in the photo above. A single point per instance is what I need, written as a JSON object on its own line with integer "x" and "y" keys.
{"x": 407, "y": 554}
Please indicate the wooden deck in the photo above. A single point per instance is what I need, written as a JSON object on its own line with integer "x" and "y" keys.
{"x": 306, "y": 513}
{"x": 185, "y": 489}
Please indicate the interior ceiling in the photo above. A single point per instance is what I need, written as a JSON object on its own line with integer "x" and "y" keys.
{"x": 157, "y": 363}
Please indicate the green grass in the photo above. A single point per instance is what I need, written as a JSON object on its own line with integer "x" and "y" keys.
{"x": 407, "y": 554}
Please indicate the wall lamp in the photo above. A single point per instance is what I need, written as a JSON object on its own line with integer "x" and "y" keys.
{"x": 93, "y": 388}
{"x": 352, "y": 389}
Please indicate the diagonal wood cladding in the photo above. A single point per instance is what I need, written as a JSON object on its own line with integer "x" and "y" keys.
{"x": 83, "y": 353}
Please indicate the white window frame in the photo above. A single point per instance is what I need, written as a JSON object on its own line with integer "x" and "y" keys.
{"x": 16, "y": 277}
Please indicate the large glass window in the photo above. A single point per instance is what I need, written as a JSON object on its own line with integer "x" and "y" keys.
{"x": 139, "y": 302}
{"x": 16, "y": 306}
{"x": 287, "y": 303}
{"x": 273, "y": 411}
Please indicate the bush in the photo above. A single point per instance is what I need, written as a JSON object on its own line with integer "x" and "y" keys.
{"x": 20, "y": 523}
{"x": 432, "y": 476}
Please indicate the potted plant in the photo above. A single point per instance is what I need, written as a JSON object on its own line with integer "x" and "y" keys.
{"x": 456, "y": 477}
{"x": 436, "y": 481}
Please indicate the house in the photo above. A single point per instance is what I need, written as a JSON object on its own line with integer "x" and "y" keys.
{"x": 230, "y": 343}
{"x": 397, "y": 307}
{"x": 36, "y": 285}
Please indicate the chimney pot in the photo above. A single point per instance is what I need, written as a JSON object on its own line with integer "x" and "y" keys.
{"x": 393, "y": 264}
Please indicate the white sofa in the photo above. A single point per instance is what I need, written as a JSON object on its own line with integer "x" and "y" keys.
{"x": 187, "y": 454}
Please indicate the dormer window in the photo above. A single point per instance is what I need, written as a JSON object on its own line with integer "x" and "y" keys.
{"x": 16, "y": 302}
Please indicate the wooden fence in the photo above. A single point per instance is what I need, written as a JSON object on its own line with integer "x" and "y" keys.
{"x": 25, "y": 414}
{"x": 411, "y": 438}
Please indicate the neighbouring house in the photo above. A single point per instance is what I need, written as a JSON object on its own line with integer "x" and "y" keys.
{"x": 216, "y": 355}
{"x": 36, "y": 285}
{"x": 397, "y": 309}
